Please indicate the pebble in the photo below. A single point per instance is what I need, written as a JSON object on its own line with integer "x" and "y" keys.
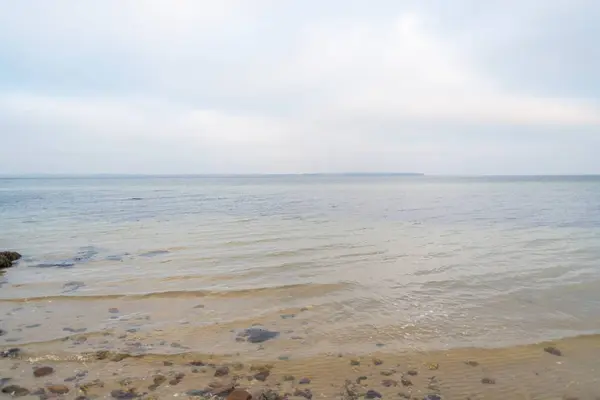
{"x": 113, "y": 310}
{"x": 377, "y": 361}
{"x": 488, "y": 381}
{"x": 287, "y": 316}
{"x": 168, "y": 363}
{"x": 257, "y": 335}
{"x": 289, "y": 378}
{"x": 388, "y": 373}
{"x": 472, "y": 363}
{"x": 553, "y": 350}
{"x": 354, "y": 363}
{"x": 262, "y": 376}
{"x": 432, "y": 397}
{"x": 413, "y": 372}
{"x": 124, "y": 395}
{"x": 197, "y": 392}
{"x": 196, "y": 364}
{"x": 222, "y": 371}
{"x": 433, "y": 366}
{"x": 16, "y": 391}
{"x": 159, "y": 379}
{"x": 406, "y": 382}
{"x": 389, "y": 383}
{"x": 58, "y": 389}
{"x": 373, "y": 394}
{"x": 304, "y": 381}
{"x": 10, "y": 353}
{"x": 3, "y": 332}
{"x": 283, "y": 358}
{"x": 42, "y": 371}
{"x": 306, "y": 393}
{"x": 360, "y": 379}
{"x": 239, "y": 395}
{"x": 31, "y": 326}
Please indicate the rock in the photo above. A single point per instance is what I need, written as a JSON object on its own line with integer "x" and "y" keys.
{"x": 10, "y": 353}
{"x": 413, "y": 372}
{"x": 81, "y": 398}
{"x": 553, "y": 350}
{"x": 16, "y": 391}
{"x": 389, "y": 383}
{"x": 432, "y": 397}
{"x": 289, "y": 378}
{"x": 221, "y": 388}
{"x": 113, "y": 310}
{"x": 154, "y": 253}
{"x": 377, "y": 361}
{"x": 5, "y": 262}
{"x": 159, "y": 379}
{"x": 406, "y": 382}
{"x": 304, "y": 381}
{"x": 222, "y": 371}
{"x": 58, "y": 389}
{"x": 354, "y": 363}
{"x": 287, "y": 316}
{"x": 10, "y": 255}
{"x": 472, "y": 363}
{"x": 42, "y": 371}
{"x": 197, "y": 364}
{"x": 404, "y": 395}
{"x": 168, "y": 363}
{"x": 199, "y": 306}
{"x": 239, "y": 395}
{"x": 2, "y": 332}
{"x": 262, "y": 376}
{"x": 360, "y": 379}
{"x": 119, "y": 357}
{"x": 197, "y": 392}
{"x": 124, "y": 395}
{"x": 488, "y": 381}
{"x": 433, "y": 366}
{"x": 388, "y": 372}
{"x": 306, "y": 393}
{"x": 257, "y": 335}
{"x": 39, "y": 392}
{"x": 373, "y": 394}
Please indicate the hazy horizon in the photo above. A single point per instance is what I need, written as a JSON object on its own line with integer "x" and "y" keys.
{"x": 265, "y": 87}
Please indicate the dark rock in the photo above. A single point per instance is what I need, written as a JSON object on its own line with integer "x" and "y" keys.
{"x": 10, "y": 255}
{"x": 239, "y": 395}
{"x": 176, "y": 345}
{"x": 257, "y": 335}
{"x": 283, "y": 358}
{"x": 289, "y": 378}
{"x": 222, "y": 371}
{"x": 413, "y": 372}
{"x": 262, "y": 376}
{"x": 4, "y": 381}
{"x": 406, "y": 382}
{"x": 269, "y": 395}
{"x": 197, "y": 364}
{"x": 354, "y": 363}
{"x": 2, "y": 332}
{"x": 198, "y": 392}
{"x": 42, "y": 371}
{"x": 304, "y": 381}
{"x": 39, "y": 392}
{"x": 306, "y": 393}
{"x": 472, "y": 363}
{"x": 199, "y": 306}
{"x": 373, "y": 394}
{"x": 287, "y": 316}
{"x": 404, "y": 395}
{"x": 168, "y": 363}
{"x": 380, "y": 345}
{"x": 388, "y": 372}
{"x": 221, "y": 389}
{"x": 389, "y": 383}
{"x": 360, "y": 379}
{"x": 16, "y": 391}
{"x": 488, "y": 381}
{"x": 159, "y": 379}
{"x": 553, "y": 350}
{"x": 87, "y": 386}
{"x": 58, "y": 389}
{"x": 377, "y": 361}
{"x": 73, "y": 286}
{"x": 113, "y": 310}
{"x": 432, "y": 397}
{"x": 124, "y": 395}
{"x": 5, "y": 262}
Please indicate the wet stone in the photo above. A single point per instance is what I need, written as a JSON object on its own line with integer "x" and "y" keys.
{"x": 488, "y": 381}
{"x": 58, "y": 389}
{"x": 239, "y": 395}
{"x": 373, "y": 394}
{"x": 389, "y": 383}
{"x": 257, "y": 335}
{"x": 412, "y": 372}
{"x": 222, "y": 371}
{"x": 306, "y": 393}
{"x": 42, "y": 371}
{"x": 124, "y": 395}
{"x": 553, "y": 350}
{"x": 432, "y": 397}
{"x": 262, "y": 376}
{"x": 10, "y": 353}
{"x": 304, "y": 381}
{"x": 15, "y": 390}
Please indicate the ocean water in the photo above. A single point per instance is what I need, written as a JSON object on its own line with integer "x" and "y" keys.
{"x": 331, "y": 263}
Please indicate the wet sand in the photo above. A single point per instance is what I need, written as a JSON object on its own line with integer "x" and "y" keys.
{"x": 565, "y": 369}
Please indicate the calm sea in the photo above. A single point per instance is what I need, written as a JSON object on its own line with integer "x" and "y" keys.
{"x": 339, "y": 262}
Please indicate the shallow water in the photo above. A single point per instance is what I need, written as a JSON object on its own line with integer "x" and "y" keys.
{"x": 333, "y": 263}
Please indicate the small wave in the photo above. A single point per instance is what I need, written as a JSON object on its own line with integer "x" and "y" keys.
{"x": 297, "y": 290}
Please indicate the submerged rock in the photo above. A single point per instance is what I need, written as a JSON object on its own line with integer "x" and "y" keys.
{"x": 373, "y": 394}
{"x": 5, "y": 262}
{"x": 10, "y": 255}
{"x": 257, "y": 335}
{"x": 15, "y": 390}
{"x": 42, "y": 371}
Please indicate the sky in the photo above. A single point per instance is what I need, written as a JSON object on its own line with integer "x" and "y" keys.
{"x": 462, "y": 87}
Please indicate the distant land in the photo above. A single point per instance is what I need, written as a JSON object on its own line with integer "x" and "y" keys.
{"x": 87, "y": 176}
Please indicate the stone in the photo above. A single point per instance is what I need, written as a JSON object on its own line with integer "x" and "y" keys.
{"x": 10, "y": 353}
{"x": 239, "y": 394}
{"x": 262, "y": 376}
{"x": 360, "y": 379}
{"x": 39, "y": 392}
{"x": 221, "y": 388}
{"x": 306, "y": 393}
{"x": 123, "y": 394}
{"x": 58, "y": 389}
{"x": 373, "y": 394}
{"x": 406, "y": 382}
{"x": 222, "y": 371}
{"x": 10, "y": 255}
{"x": 553, "y": 350}
{"x": 15, "y": 390}
{"x": 304, "y": 381}
{"x": 433, "y": 366}
{"x": 354, "y": 363}
{"x": 377, "y": 361}
{"x": 3, "y": 332}
{"x": 389, "y": 383}
{"x": 287, "y": 316}
{"x": 388, "y": 372}
{"x": 119, "y": 357}
{"x": 488, "y": 381}
{"x": 113, "y": 310}
{"x": 159, "y": 379}
{"x": 196, "y": 364}
{"x": 257, "y": 335}
{"x": 42, "y": 371}
{"x": 197, "y": 392}
{"x": 168, "y": 363}
{"x": 432, "y": 397}
{"x": 413, "y": 372}
{"x": 472, "y": 363}
{"x": 289, "y": 378}
{"x": 5, "y": 262}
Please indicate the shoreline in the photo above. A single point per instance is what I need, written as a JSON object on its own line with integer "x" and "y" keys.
{"x": 560, "y": 369}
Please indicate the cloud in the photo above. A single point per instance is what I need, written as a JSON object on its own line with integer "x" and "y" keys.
{"x": 225, "y": 87}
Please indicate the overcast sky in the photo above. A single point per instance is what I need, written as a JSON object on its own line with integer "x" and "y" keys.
{"x": 276, "y": 86}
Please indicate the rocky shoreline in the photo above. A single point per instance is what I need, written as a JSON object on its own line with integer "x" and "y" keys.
{"x": 8, "y": 258}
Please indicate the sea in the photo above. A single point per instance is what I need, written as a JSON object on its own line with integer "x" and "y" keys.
{"x": 331, "y": 263}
